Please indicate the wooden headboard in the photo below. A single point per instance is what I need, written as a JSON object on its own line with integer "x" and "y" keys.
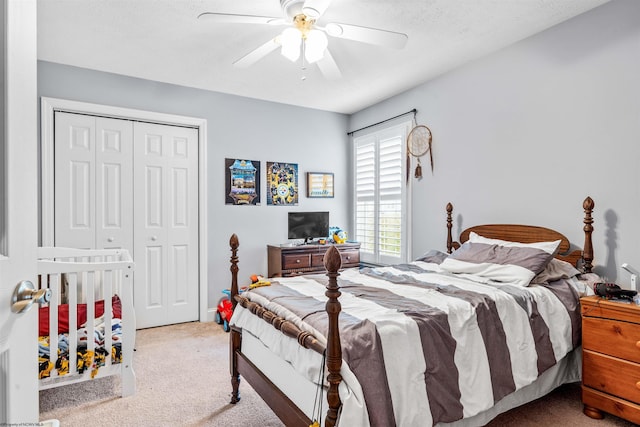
{"x": 530, "y": 234}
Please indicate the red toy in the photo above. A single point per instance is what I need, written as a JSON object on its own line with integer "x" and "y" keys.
{"x": 223, "y": 313}
{"x": 225, "y": 308}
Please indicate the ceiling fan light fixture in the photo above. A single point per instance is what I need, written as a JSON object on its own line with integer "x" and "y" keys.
{"x": 291, "y": 39}
{"x": 291, "y": 7}
{"x": 314, "y": 46}
{"x": 315, "y": 8}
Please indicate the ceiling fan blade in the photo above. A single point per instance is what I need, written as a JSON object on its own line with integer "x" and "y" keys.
{"x": 229, "y": 18}
{"x": 257, "y": 54}
{"x": 328, "y": 67}
{"x": 367, "y": 35}
{"x": 315, "y": 8}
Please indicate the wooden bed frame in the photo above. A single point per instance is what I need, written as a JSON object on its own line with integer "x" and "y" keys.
{"x": 281, "y": 405}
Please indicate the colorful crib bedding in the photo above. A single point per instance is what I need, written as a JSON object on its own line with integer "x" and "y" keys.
{"x": 86, "y": 358}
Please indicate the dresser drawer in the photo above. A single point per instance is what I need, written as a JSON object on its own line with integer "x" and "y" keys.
{"x": 350, "y": 257}
{"x": 612, "y": 337}
{"x": 292, "y": 261}
{"x": 611, "y": 404}
{"x": 613, "y": 376}
{"x": 317, "y": 260}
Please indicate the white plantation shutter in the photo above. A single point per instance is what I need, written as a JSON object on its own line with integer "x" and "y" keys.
{"x": 380, "y": 195}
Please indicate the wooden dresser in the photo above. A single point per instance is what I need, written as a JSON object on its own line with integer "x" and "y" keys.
{"x": 308, "y": 259}
{"x": 611, "y": 358}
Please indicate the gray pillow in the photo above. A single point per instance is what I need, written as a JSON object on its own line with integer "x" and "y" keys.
{"x": 516, "y": 265}
{"x": 555, "y": 270}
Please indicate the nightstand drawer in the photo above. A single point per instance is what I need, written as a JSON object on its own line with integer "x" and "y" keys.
{"x": 612, "y": 337}
{"x": 292, "y": 261}
{"x": 612, "y": 376}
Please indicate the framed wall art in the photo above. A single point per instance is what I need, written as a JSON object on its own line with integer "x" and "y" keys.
{"x": 282, "y": 184}
{"x": 242, "y": 182}
{"x": 319, "y": 184}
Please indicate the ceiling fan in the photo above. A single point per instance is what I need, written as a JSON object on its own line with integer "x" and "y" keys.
{"x": 303, "y": 37}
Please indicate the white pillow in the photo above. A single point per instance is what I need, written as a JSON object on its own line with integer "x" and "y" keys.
{"x": 548, "y": 247}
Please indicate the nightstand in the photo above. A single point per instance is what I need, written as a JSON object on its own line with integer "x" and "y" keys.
{"x": 610, "y": 358}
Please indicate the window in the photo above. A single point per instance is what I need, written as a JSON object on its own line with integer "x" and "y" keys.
{"x": 380, "y": 195}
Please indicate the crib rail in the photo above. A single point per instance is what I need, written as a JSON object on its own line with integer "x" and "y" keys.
{"x": 82, "y": 277}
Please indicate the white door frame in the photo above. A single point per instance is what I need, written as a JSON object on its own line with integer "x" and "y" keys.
{"x": 47, "y": 108}
{"x": 18, "y": 239}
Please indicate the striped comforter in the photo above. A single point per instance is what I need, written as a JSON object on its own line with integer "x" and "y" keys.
{"x": 427, "y": 346}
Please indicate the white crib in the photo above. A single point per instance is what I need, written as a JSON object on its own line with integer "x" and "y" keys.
{"x": 79, "y": 280}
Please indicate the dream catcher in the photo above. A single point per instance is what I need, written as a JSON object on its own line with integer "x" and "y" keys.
{"x": 418, "y": 144}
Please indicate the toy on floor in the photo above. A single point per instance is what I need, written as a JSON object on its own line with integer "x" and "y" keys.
{"x": 224, "y": 310}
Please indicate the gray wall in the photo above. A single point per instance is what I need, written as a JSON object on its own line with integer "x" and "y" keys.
{"x": 523, "y": 135}
{"x": 237, "y": 128}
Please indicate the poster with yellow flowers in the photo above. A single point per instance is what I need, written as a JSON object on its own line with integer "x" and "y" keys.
{"x": 282, "y": 179}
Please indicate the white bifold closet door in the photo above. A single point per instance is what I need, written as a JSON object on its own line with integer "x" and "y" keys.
{"x": 166, "y": 223}
{"x": 93, "y": 176}
{"x": 134, "y": 185}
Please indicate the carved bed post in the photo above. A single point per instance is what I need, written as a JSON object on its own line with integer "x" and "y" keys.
{"x": 333, "y": 262}
{"x": 587, "y": 252}
{"x": 235, "y": 337}
{"x": 233, "y": 242}
{"x": 449, "y": 225}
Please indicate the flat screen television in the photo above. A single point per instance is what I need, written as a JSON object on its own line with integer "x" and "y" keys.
{"x": 308, "y": 225}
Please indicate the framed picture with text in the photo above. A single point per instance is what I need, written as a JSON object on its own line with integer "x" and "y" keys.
{"x": 319, "y": 184}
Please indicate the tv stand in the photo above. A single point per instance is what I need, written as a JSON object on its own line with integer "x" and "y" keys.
{"x": 307, "y": 258}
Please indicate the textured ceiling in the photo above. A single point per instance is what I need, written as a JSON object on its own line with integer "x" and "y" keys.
{"x": 163, "y": 40}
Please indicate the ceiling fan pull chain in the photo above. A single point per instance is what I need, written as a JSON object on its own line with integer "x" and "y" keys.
{"x": 303, "y": 66}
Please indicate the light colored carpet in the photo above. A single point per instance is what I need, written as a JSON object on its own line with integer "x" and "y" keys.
{"x": 183, "y": 380}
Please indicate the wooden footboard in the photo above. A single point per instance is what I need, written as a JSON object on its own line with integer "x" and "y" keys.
{"x": 281, "y": 405}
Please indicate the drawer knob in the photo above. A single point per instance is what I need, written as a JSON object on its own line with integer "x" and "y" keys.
{"x": 638, "y": 384}
{"x": 348, "y": 258}
{"x": 638, "y": 344}
{"x": 298, "y": 261}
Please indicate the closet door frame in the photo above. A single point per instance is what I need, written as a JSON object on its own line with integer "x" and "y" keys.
{"x": 48, "y": 106}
